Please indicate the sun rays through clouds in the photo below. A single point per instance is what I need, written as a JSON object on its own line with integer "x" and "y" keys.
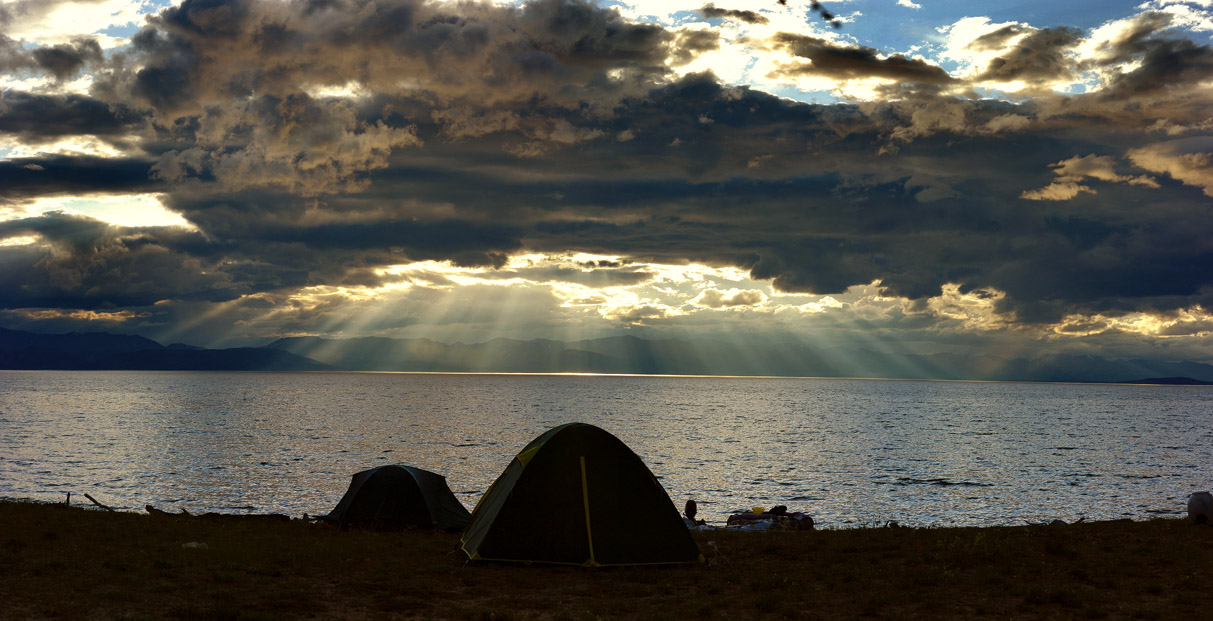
{"x": 900, "y": 176}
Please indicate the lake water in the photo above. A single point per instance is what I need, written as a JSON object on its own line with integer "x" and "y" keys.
{"x": 849, "y": 452}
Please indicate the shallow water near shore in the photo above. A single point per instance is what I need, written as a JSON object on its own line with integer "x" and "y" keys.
{"x": 849, "y": 452}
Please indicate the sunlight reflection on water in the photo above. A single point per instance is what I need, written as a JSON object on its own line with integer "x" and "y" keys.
{"x": 850, "y": 452}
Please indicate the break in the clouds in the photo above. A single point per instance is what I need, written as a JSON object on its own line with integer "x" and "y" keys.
{"x": 228, "y": 171}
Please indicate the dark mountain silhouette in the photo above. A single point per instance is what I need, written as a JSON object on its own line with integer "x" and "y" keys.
{"x": 102, "y": 342}
{"x": 100, "y": 350}
{"x": 622, "y": 354}
{"x": 1170, "y": 381}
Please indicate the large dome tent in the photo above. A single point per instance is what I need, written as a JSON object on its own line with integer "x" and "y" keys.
{"x": 577, "y": 495}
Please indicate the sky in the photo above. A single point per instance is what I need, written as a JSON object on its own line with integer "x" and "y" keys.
{"x": 1013, "y": 178}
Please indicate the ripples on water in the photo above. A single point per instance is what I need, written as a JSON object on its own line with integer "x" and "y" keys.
{"x": 850, "y": 452}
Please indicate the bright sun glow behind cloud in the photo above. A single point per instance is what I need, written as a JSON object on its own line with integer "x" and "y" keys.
{"x": 593, "y": 295}
{"x": 59, "y": 23}
{"x": 133, "y": 210}
{"x": 12, "y": 148}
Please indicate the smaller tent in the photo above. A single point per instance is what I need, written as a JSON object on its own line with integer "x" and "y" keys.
{"x": 577, "y": 495}
{"x": 399, "y": 496}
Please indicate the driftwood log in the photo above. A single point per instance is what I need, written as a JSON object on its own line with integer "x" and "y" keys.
{"x": 154, "y": 511}
{"x": 94, "y": 501}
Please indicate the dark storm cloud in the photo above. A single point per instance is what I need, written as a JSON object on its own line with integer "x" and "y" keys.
{"x": 691, "y": 43}
{"x": 469, "y": 244}
{"x": 828, "y": 59}
{"x": 710, "y": 11}
{"x": 35, "y": 117}
{"x": 13, "y": 57}
{"x": 1136, "y": 39}
{"x": 65, "y": 60}
{"x": 1149, "y": 79}
{"x": 81, "y": 263}
{"x": 67, "y": 174}
{"x": 336, "y": 243}
{"x": 1165, "y": 64}
{"x": 234, "y": 74}
{"x": 1039, "y": 56}
{"x": 198, "y": 52}
{"x": 812, "y": 224}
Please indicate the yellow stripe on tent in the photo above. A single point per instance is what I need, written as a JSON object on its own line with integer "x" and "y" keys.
{"x": 585, "y": 499}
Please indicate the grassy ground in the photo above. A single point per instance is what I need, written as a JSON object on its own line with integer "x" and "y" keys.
{"x": 63, "y": 562}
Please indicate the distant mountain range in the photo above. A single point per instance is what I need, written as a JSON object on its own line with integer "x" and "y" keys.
{"x": 103, "y": 351}
{"x": 1170, "y": 381}
{"x": 625, "y": 354}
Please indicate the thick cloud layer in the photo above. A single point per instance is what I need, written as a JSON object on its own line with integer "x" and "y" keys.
{"x": 313, "y": 142}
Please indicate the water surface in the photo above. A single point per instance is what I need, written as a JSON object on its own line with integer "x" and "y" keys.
{"x": 850, "y": 452}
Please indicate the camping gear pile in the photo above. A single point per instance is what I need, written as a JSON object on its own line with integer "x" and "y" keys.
{"x": 775, "y": 518}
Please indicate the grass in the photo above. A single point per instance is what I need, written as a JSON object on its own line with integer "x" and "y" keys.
{"x": 64, "y": 562}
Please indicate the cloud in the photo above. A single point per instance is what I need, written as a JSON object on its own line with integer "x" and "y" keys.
{"x": 840, "y": 62}
{"x": 638, "y": 314}
{"x": 1188, "y": 160}
{"x": 1038, "y": 57}
{"x": 476, "y": 52}
{"x": 691, "y": 44}
{"x": 40, "y": 117}
{"x": 1006, "y": 123}
{"x": 51, "y": 22}
{"x": 66, "y": 60}
{"x": 1165, "y": 64}
{"x": 66, "y": 174}
{"x": 1121, "y": 40}
{"x": 303, "y": 145}
{"x": 710, "y": 11}
{"x": 935, "y": 116}
{"x": 248, "y": 123}
{"x": 1057, "y": 191}
{"x": 1072, "y": 171}
{"x": 81, "y": 263}
{"x": 715, "y": 298}
{"x": 1098, "y": 167}
{"x": 998, "y": 39}
{"x": 588, "y": 276}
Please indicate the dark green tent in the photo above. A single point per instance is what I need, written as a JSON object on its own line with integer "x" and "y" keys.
{"x": 577, "y": 495}
{"x": 398, "y": 496}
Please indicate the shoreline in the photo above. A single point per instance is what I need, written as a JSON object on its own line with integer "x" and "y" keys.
{"x": 1147, "y": 382}
{"x": 78, "y": 562}
{"x": 78, "y": 501}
